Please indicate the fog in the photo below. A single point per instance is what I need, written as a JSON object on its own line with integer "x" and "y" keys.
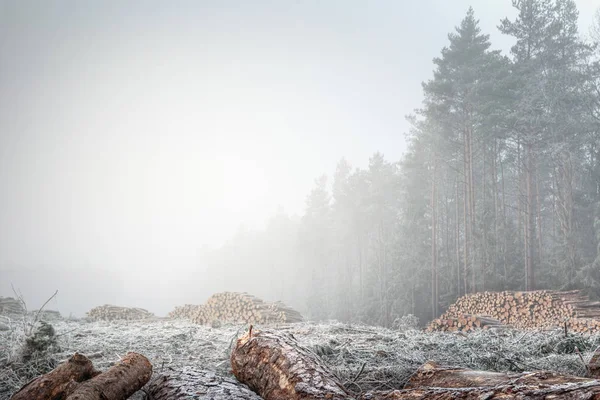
{"x": 137, "y": 137}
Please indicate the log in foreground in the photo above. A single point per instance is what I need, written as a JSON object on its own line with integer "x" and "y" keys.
{"x": 433, "y": 375}
{"x": 78, "y": 380}
{"x": 197, "y": 384}
{"x": 277, "y": 367}
{"x": 56, "y": 383}
{"x": 570, "y": 391}
{"x": 119, "y": 382}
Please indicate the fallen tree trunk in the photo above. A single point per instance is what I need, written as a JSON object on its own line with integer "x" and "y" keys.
{"x": 56, "y": 383}
{"x": 118, "y": 382}
{"x": 78, "y": 380}
{"x": 198, "y": 384}
{"x": 571, "y": 391}
{"x": 276, "y": 367}
{"x": 432, "y": 375}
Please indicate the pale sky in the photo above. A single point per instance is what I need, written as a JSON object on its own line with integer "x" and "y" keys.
{"x": 132, "y": 133}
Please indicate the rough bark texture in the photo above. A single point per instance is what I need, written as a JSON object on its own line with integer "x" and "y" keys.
{"x": 569, "y": 391}
{"x": 276, "y": 367}
{"x": 594, "y": 365}
{"x": 197, "y": 384}
{"x": 58, "y": 382}
{"x": 118, "y": 382}
{"x": 432, "y": 375}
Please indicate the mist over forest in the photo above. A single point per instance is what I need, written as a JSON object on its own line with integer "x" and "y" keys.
{"x": 359, "y": 162}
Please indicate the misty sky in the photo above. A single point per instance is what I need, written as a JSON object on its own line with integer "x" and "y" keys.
{"x": 134, "y": 133}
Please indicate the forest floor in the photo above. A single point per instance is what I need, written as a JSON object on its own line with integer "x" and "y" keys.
{"x": 365, "y": 357}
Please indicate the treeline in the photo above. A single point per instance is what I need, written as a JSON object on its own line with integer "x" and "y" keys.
{"x": 499, "y": 189}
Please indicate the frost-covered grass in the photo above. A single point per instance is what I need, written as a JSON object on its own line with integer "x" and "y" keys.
{"x": 364, "y": 357}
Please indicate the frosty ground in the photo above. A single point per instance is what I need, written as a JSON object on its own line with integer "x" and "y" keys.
{"x": 364, "y": 357}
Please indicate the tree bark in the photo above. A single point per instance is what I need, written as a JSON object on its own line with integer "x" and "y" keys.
{"x": 530, "y": 237}
{"x": 571, "y": 391}
{"x": 456, "y": 213}
{"x": 118, "y": 383}
{"x": 56, "y": 383}
{"x": 198, "y": 384}
{"x": 78, "y": 380}
{"x": 276, "y": 367}
{"x": 433, "y": 375}
{"x": 434, "y": 272}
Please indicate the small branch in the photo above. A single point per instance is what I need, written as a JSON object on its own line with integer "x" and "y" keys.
{"x": 362, "y": 368}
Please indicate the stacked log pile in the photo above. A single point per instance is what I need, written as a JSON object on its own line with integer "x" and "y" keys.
{"x": 113, "y": 313}
{"x": 464, "y": 323}
{"x": 237, "y": 308}
{"x": 528, "y": 310}
{"x": 10, "y": 306}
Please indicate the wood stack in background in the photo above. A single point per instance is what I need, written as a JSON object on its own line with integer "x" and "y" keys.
{"x": 529, "y": 310}
{"x": 464, "y": 323}
{"x": 113, "y": 313}
{"x": 237, "y": 308}
{"x": 10, "y": 306}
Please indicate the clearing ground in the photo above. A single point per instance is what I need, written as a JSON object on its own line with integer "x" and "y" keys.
{"x": 364, "y": 357}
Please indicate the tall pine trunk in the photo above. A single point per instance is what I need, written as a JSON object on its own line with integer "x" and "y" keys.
{"x": 434, "y": 272}
{"x": 530, "y": 237}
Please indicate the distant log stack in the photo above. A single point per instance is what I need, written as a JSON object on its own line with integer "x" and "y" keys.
{"x": 10, "y": 306}
{"x": 464, "y": 323}
{"x": 237, "y": 308}
{"x": 540, "y": 309}
{"x": 114, "y": 313}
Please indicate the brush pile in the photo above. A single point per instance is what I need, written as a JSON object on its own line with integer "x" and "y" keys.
{"x": 113, "y": 313}
{"x": 10, "y": 306}
{"x": 237, "y": 308}
{"x": 540, "y": 309}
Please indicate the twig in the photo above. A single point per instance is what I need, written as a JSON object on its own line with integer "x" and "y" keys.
{"x": 362, "y": 368}
{"x": 41, "y": 308}
{"x": 582, "y": 361}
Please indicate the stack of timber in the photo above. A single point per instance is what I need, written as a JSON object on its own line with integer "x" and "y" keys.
{"x": 464, "y": 323}
{"x": 237, "y": 308}
{"x": 113, "y": 313}
{"x": 10, "y": 306}
{"x": 541, "y": 309}
{"x": 188, "y": 311}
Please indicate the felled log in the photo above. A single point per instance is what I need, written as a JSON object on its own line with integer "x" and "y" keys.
{"x": 277, "y": 367}
{"x": 118, "y": 383}
{"x": 433, "y": 375}
{"x": 78, "y": 380}
{"x": 571, "y": 391}
{"x": 593, "y": 367}
{"x": 56, "y": 383}
{"x": 198, "y": 384}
